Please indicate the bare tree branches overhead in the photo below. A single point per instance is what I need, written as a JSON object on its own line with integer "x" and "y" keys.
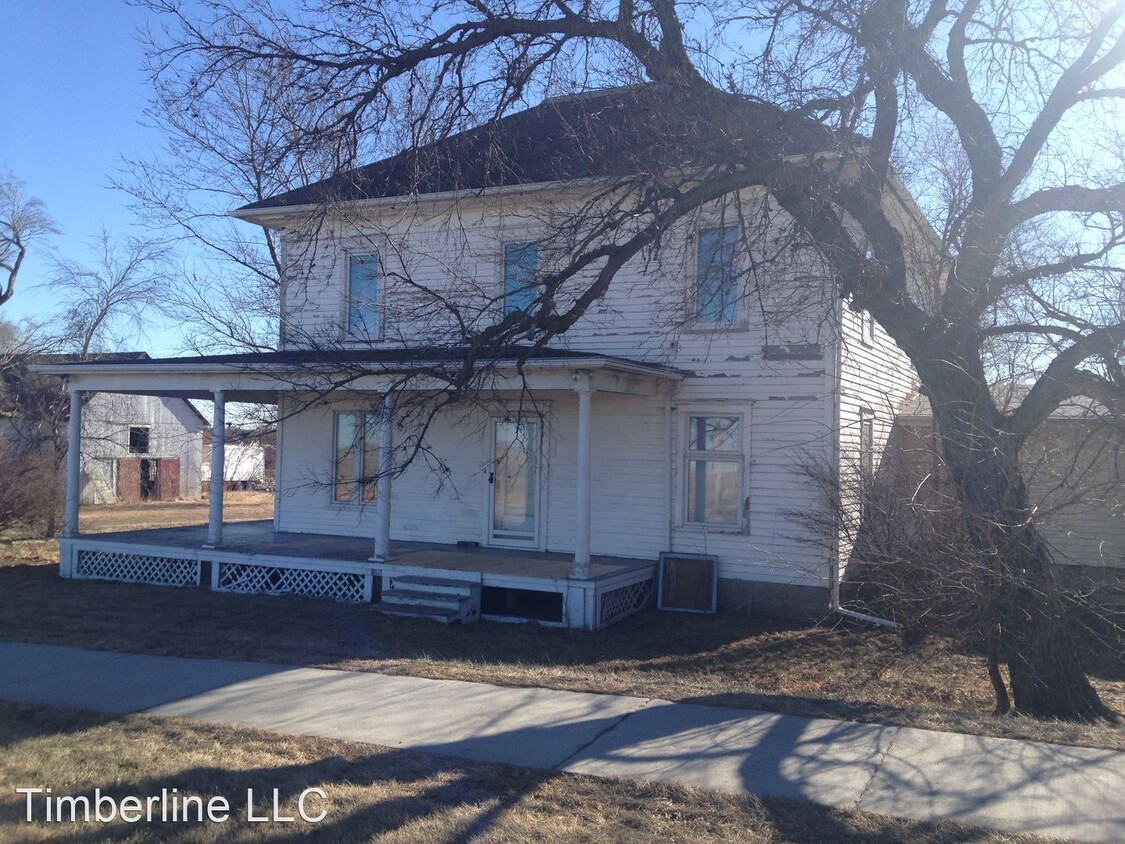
{"x": 107, "y": 304}
{"x": 1011, "y": 237}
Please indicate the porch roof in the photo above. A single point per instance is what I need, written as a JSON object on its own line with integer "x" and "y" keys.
{"x": 259, "y": 377}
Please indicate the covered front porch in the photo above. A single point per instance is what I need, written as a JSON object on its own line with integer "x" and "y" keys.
{"x": 254, "y": 558}
{"x": 327, "y": 545}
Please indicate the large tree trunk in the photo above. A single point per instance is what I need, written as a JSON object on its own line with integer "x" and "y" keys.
{"x": 1022, "y": 599}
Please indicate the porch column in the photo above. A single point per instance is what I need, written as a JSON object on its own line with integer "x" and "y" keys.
{"x": 581, "y": 567}
{"x": 383, "y": 483}
{"x": 73, "y": 464}
{"x": 218, "y": 464}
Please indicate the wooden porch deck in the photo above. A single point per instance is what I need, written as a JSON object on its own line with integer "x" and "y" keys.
{"x": 259, "y": 539}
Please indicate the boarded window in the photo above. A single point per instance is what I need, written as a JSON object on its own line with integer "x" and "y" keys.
{"x": 688, "y": 582}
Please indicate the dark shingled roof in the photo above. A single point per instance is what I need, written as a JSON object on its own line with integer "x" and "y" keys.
{"x": 602, "y": 134}
{"x": 93, "y": 357}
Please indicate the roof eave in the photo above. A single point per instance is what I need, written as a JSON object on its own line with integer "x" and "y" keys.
{"x": 272, "y": 217}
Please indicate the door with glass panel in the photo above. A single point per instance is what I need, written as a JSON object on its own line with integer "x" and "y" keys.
{"x": 514, "y": 483}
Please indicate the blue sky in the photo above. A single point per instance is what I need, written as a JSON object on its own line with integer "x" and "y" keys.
{"x": 71, "y": 105}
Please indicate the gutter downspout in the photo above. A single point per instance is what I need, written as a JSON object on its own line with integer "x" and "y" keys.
{"x": 836, "y": 428}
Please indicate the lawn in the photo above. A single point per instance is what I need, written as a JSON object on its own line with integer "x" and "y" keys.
{"x": 840, "y": 670}
{"x": 395, "y": 795}
{"x": 238, "y": 506}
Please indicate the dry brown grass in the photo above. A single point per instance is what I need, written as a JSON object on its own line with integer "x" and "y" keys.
{"x": 391, "y": 795}
{"x": 238, "y": 506}
{"x": 842, "y": 671}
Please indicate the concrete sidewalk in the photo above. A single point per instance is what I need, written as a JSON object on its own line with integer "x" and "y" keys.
{"x": 1069, "y": 792}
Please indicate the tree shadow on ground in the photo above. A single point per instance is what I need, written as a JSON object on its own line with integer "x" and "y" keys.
{"x": 407, "y": 795}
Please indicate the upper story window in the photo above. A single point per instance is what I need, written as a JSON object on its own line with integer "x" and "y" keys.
{"x": 364, "y": 275}
{"x": 521, "y": 260}
{"x": 716, "y": 291}
{"x": 714, "y": 471}
{"x": 867, "y": 334}
{"x": 356, "y": 462}
{"x": 138, "y": 439}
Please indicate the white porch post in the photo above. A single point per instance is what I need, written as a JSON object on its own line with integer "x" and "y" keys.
{"x": 218, "y": 463}
{"x": 581, "y": 568}
{"x": 383, "y": 483}
{"x": 73, "y": 464}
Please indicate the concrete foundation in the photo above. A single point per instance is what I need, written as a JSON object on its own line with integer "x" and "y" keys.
{"x": 782, "y": 600}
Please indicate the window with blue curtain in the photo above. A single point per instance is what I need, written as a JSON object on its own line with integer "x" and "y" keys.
{"x": 716, "y": 294}
{"x": 521, "y": 260}
{"x": 364, "y": 273}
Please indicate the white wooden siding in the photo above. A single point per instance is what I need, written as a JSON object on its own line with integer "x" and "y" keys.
{"x": 457, "y": 248}
{"x": 876, "y": 377}
{"x": 629, "y": 468}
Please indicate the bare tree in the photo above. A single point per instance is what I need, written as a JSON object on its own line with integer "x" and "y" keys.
{"x": 232, "y": 145}
{"x": 1021, "y": 244}
{"x": 23, "y": 222}
{"x": 108, "y": 303}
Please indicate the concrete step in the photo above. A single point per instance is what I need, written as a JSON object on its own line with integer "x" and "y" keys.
{"x": 443, "y": 600}
{"x": 438, "y": 614}
{"x": 434, "y": 585}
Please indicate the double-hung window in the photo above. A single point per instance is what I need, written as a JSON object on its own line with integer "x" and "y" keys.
{"x": 714, "y": 471}
{"x": 356, "y": 460}
{"x": 521, "y": 260}
{"x": 716, "y": 291}
{"x": 364, "y": 275}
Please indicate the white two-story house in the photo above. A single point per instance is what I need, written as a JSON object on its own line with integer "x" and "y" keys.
{"x": 673, "y": 418}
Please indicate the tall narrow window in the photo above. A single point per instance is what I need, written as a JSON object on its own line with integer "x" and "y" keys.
{"x": 364, "y": 273}
{"x": 714, "y": 470}
{"x": 868, "y": 330}
{"x": 867, "y": 442}
{"x": 716, "y": 293}
{"x": 357, "y": 457}
{"x": 521, "y": 260}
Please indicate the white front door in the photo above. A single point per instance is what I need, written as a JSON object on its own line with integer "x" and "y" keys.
{"x": 514, "y": 483}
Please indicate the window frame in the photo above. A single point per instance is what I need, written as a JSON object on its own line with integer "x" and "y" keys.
{"x": 505, "y": 307}
{"x": 866, "y": 449}
{"x": 379, "y": 309}
{"x": 146, "y": 430}
{"x": 867, "y": 328}
{"x": 698, "y": 321}
{"x": 362, "y": 493}
{"x": 739, "y": 458}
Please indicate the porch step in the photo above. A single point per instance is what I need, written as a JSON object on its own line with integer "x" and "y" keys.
{"x": 441, "y": 616}
{"x": 416, "y": 597}
{"x": 434, "y": 585}
{"x": 443, "y": 599}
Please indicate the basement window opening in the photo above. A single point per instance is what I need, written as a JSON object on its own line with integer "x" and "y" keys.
{"x": 522, "y": 603}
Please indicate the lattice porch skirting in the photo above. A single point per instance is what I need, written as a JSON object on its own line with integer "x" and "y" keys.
{"x": 615, "y": 604}
{"x": 133, "y": 567}
{"x": 271, "y": 578}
